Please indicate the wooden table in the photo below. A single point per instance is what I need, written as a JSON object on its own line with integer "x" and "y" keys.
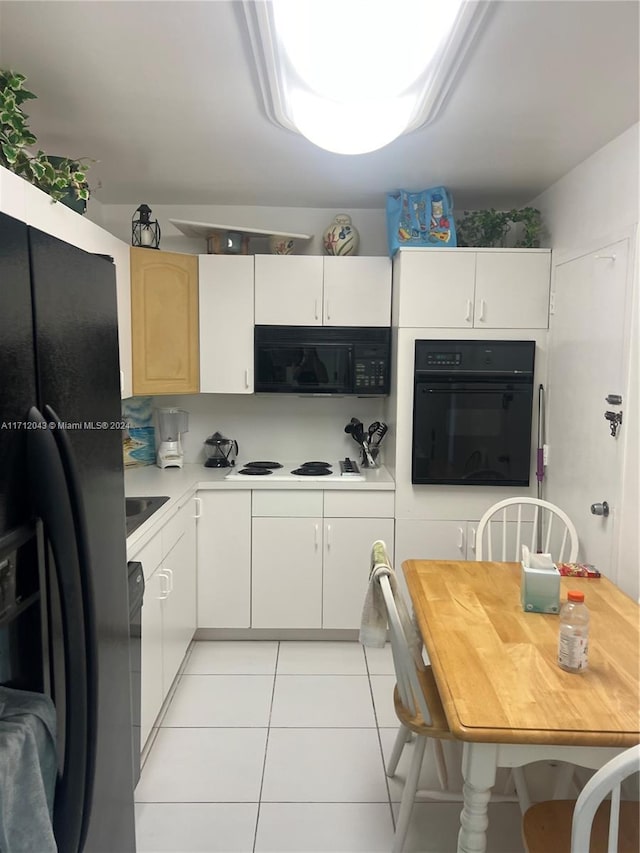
{"x": 503, "y": 693}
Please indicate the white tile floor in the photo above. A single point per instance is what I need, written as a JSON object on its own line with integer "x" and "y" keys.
{"x": 277, "y": 747}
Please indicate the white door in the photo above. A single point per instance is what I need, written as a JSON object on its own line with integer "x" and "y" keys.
{"x": 357, "y": 291}
{"x": 512, "y": 290}
{"x": 288, "y": 290}
{"x": 286, "y": 573}
{"x": 226, "y": 324}
{"x": 586, "y": 363}
{"x": 347, "y": 555}
{"x": 224, "y": 559}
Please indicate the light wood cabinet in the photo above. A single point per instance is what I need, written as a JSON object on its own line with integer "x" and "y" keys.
{"x": 226, "y": 324}
{"x": 465, "y": 288}
{"x": 224, "y": 559}
{"x": 293, "y": 290}
{"x": 164, "y": 322}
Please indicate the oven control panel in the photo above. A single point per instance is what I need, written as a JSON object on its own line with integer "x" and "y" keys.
{"x": 475, "y": 357}
{"x": 444, "y": 359}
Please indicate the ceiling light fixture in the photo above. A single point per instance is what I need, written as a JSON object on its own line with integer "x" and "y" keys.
{"x": 350, "y": 75}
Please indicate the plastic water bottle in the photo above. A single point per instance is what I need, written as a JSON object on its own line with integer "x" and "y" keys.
{"x": 573, "y": 642}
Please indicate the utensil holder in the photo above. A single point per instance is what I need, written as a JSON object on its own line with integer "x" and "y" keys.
{"x": 364, "y": 463}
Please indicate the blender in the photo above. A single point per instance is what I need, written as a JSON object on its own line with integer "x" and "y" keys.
{"x": 171, "y": 424}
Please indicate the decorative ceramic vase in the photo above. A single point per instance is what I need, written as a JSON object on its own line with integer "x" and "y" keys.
{"x": 341, "y": 238}
{"x": 281, "y": 245}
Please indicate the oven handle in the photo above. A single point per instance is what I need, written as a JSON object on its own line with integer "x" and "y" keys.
{"x": 471, "y": 388}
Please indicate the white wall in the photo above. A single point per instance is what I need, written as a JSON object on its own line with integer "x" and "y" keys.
{"x": 593, "y": 205}
{"x": 369, "y": 223}
{"x": 275, "y": 427}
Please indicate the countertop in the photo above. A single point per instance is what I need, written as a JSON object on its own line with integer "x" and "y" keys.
{"x": 180, "y": 484}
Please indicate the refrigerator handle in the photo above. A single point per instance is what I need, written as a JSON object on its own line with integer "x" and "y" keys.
{"x": 74, "y": 491}
{"x": 52, "y": 503}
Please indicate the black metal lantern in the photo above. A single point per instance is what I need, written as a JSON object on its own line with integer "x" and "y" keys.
{"x": 145, "y": 231}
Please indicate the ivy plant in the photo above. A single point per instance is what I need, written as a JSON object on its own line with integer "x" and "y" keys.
{"x": 58, "y": 178}
{"x": 488, "y": 228}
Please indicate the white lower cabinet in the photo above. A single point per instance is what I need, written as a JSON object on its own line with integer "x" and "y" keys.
{"x": 311, "y": 571}
{"x": 286, "y": 562}
{"x": 224, "y": 559}
{"x": 179, "y": 606}
{"x": 434, "y": 540}
{"x": 152, "y": 684}
{"x": 346, "y": 564}
{"x": 168, "y": 610}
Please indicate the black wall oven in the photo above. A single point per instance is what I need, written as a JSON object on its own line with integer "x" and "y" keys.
{"x": 472, "y": 407}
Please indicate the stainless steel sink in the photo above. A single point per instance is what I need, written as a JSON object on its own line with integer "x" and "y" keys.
{"x": 138, "y": 510}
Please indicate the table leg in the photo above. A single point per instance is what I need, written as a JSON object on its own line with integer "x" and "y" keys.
{"x": 479, "y": 761}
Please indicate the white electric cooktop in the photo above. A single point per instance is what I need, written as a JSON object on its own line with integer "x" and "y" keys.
{"x": 285, "y": 473}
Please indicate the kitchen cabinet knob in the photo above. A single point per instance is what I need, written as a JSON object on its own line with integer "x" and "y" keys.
{"x": 600, "y": 509}
{"x": 198, "y": 503}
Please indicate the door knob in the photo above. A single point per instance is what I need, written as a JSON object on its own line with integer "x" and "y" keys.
{"x": 600, "y": 509}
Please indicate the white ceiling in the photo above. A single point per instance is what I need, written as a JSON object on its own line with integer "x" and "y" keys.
{"x": 164, "y": 96}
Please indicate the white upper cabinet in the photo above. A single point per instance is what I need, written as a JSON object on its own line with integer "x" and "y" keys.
{"x": 308, "y": 290}
{"x": 436, "y": 288}
{"x": 512, "y": 290}
{"x": 288, "y": 290}
{"x": 357, "y": 291}
{"x": 226, "y": 324}
{"x": 463, "y": 288}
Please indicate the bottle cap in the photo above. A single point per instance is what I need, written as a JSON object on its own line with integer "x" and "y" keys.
{"x": 575, "y": 595}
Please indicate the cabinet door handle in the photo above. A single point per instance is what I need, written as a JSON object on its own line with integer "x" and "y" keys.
{"x": 315, "y": 308}
{"x": 164, "y": 591}
{"x": 315, "y": 537}
{"x": 472, "y": 540}
{"x": 328, "y": 536}
{"x": 170, "y": 573}
{"x": 328, "y": 311}
{"x": 481, "y": 314}
{"x": 198, "y": 503}
{"x": 246, "y": 378}
{"x": 461, "y": 538}
{"x": 469, "y": 310}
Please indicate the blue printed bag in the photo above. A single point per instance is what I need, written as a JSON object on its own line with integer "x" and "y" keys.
{"x": 422, "y": 218}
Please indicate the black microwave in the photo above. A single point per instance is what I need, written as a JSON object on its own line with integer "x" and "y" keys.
{"x": 322, "y": 360}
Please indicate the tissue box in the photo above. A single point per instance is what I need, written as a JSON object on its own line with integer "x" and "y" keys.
{"x": 540, "y": 585}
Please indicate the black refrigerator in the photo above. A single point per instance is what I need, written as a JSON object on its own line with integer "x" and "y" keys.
{"x": 64, "y": 616}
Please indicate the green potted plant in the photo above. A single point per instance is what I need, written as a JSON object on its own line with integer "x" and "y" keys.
{"x": 63, "y": 178}
{"x": 488, "y": 228}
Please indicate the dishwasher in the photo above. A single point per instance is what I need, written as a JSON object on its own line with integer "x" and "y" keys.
{"x": 136, "y": 595}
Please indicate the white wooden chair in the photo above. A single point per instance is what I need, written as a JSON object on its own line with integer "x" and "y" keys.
{"x": 589, "y": 823}
{"x": 417, "y": 704}
{"x": 501, "y": 532}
